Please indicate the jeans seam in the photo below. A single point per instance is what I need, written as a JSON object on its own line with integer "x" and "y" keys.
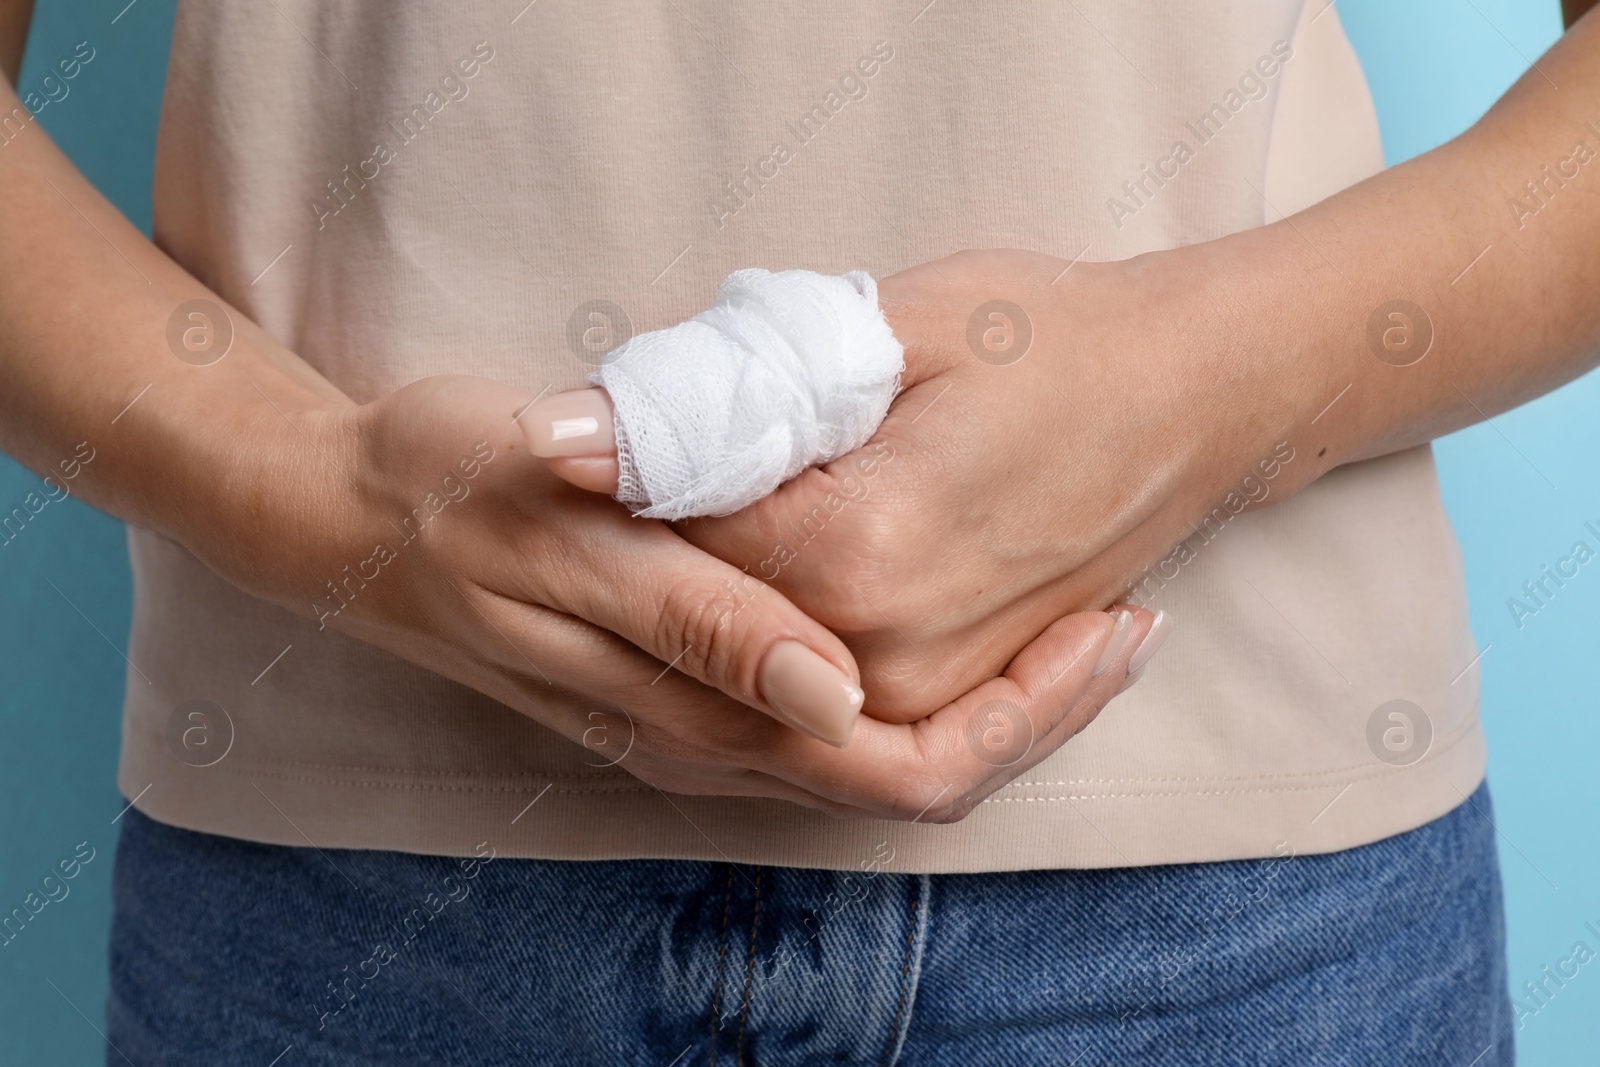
{"x": 905, "y": 972}
{"x": 749, "y": 972}
{"x": 722, "y": 953}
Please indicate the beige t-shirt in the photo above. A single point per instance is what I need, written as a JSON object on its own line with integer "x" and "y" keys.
{"x": 404, "y": 190}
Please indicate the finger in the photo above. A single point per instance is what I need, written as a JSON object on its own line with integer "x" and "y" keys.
{"x": 609, "y": 697}
{"x": 1053, "y": 688}
{"x": 939, "y": 768}
{"x": 699, "y": 616}
{"x": 597, "y": 474}
{"x": 884, "y": 470}
{"x": 583, "y": 542}
{"x": 694, "y": 612}
{"x": 575, "y": 434}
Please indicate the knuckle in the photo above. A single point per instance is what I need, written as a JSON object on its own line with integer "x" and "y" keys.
{"x": 842, "y": 538}
{"x": 858, "y": 587}
{"x": 696, "y": 626}
{"x": 1078, "y": 717}
{"x": 944, "y": 815}
{"x": 968, "y": 264}
{"x": 876, "y": 536}
{"x": 847, "y": 611}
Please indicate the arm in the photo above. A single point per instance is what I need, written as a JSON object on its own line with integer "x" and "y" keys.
{"x": 1156, "y": 384}
{"x": 273, "y": 477}
{"x": 1521, "y": 189}
{"x": 14, "y": 18}
{"x": 85, "y": 300}
{"x": 551, "y": 601}
{"x": 77, "y": 282}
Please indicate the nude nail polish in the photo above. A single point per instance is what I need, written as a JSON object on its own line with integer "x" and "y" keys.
{"x": 1122, "y": 627}
{"x": 809, "y": 693}
{"x": 576, "y": 423}
{"x": 1153, "y": 640}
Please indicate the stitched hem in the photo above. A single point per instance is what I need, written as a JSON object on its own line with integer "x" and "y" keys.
{"x": 892, "y": 1045}
{"x": 620, "y": 782}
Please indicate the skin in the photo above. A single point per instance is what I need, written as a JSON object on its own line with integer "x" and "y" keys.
{"x": 15, "y": 15}
{"x": 551, "y": 600}
{"x": 1184, "y": 368}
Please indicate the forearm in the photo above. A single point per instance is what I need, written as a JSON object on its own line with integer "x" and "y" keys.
{"x": 1509, "y": 292}
{"x": 15, "y": 15}
{"x": 85, "y": 302}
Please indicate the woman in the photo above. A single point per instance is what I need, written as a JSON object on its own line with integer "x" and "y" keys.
{"x": 382, "y": 236}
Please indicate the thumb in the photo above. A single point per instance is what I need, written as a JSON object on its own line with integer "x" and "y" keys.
{"x": 574, "y": 433}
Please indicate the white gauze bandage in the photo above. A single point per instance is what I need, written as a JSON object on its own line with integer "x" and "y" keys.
{"x": 784, "y": 371}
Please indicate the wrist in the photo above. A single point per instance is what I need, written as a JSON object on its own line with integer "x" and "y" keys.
{"x": 260, "y": 489}
{"x": 1273, "y": 358}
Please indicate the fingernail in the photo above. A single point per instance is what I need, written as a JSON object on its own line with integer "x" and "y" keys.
{"x": 1133, "y": 676}
{"x": 1153, "y": 640}
{"x": 809, "y": 693}
{"x": 1114, "y": 644}
{"x": 576, "y": 423}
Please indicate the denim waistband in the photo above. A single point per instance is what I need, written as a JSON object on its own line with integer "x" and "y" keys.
{"x": 234, "y": 952}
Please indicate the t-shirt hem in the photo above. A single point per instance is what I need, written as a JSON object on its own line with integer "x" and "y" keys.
{"x": 1067, "y": 825}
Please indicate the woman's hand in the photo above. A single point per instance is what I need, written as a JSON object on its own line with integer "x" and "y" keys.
{"x": 267, "y": 472}
{"x": 421, "y": 524}
{"x": 1032, "y": 479}
{"x": 1057, "y": 432}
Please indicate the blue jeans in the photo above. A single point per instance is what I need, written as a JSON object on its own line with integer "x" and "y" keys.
{"x": 229, "y": 952}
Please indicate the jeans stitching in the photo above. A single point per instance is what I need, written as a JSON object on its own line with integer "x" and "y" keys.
{"x": 749, "y": 972}
{"x": 716, "y": 989}
{"x": 905, "y": 971}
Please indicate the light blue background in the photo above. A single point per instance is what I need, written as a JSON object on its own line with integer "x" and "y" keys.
{"x": 1434, "y": 66}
